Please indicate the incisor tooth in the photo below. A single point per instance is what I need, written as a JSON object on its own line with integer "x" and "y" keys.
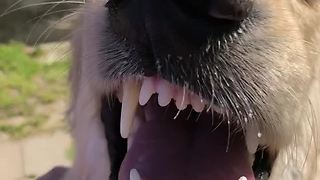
{"x": 131, "y": 90}
{"x": 197, "y": 103}
{"x": 134, "y": 175}
{"x": 165, "y": 92}
{"x": 218, "y": 109}
{"x": 182, "y": 99}
{"x": 147, "y": 90}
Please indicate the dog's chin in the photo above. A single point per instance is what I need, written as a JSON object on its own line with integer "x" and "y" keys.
{"x": 158, "y": 130}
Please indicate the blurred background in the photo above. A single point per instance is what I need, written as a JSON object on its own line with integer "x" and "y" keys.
{"x": 34, "y": 61}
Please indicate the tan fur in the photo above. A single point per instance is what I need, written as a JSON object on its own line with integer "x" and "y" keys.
{"x": 300, "y": 159}
{"x": 299, "y": 150}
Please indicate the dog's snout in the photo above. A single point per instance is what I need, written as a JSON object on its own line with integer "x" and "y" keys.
{"x": 174, "y": 30}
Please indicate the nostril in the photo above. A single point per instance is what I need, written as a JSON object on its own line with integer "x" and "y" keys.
{"x": 235, "y": 10}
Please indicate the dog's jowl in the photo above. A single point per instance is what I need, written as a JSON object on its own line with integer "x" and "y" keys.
{"x": 196, "y": 90}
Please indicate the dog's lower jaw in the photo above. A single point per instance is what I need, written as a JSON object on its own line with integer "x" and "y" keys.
{"x": 91, "y": 159}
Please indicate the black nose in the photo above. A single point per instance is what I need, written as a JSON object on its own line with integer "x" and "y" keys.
{"x": 235, "y": 10}
{"x": 230, "y": 9}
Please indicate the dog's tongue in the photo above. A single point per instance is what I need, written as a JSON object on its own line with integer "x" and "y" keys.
{"x": 185, "y": 148}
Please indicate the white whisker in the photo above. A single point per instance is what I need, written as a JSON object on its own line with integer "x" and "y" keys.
{"x": 12, "y": 5}
{"x": 48, "y": 29}
{"x": 39, "y": 4}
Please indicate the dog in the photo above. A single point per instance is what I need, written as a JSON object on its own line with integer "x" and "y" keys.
{"x": 196, "y": 90}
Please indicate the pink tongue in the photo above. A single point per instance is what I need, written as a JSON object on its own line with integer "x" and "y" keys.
{"x": 182, "y": 149}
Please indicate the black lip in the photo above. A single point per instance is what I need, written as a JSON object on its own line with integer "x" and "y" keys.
{"x": 263, "y": 163}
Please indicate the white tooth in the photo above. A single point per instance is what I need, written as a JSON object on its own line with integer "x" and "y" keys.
{"x": 218, "y": 109}
{"x": 252, "y": 139}
{"x": 147, "y": 89}
{"x": 134, "y": 175}
{"x": 130, "y": 98}
{"x": 243, "y": 178}
{"x": 182, "y": 99}
{"x": 165, "y": 92}
{"x": 197, "y": 103}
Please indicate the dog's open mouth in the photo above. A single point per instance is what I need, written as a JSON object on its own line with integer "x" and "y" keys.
{"x": 172, "y": 133}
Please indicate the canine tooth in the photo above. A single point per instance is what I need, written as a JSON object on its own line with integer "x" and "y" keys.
{"x": 147, "y": 89}
{"x": 120, "y": 94}
{"x": 131, "y": 91}
{"x": 252, "y": 139}
{"x": 182, "y": 99}
{"x": 134, "y": 175}
{"x": 165, "y": 92}
{"x": 197, "y": 103}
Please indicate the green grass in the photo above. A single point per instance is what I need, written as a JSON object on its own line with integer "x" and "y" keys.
{"x": 26, "y": 82}
{"x": 24, "y": 129}
{"x": 70, "y": 153}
